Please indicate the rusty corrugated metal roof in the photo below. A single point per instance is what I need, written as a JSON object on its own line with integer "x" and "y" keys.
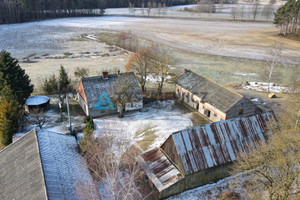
{"x": 158, "y": 166}
{"x": 218, "y": 143}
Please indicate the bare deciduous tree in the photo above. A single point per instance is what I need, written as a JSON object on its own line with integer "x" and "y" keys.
{"x": 143, "y": 9}
{"x": 39, "y": 117}
{"x": 273, "y": 59}
{"x": 159, "y": 7}
{"x": 114, "y": 168}
{"x": 128, "y": 41}
{"x": 234, "y": 13}
{"x": 295, "y": 79}
{"x": 241, "y": 12}
{"x": 149, "y": 8}
{"x": 274, "y": 168}
{"x": 81, "y": 72}
{"x": 131, "y": 8}
{"x": 122, "y": 92}
{"x": 267, "y": 11}
{"x": 141, "y": 64}
{"x": 255, "y": 9}
{"x": 164, "y": 9}
{"x": 163, "y": 67}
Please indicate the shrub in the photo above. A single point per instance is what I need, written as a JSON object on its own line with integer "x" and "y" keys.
{"x": 229, "y": 195}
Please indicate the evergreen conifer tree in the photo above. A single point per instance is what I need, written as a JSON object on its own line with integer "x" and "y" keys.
{"x": 14, "y": 77}
{"x": 63, "y": 81}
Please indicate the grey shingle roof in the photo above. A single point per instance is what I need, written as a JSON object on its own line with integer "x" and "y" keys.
{"x": 216, "y": 95}
{"x": 94, "y": 86}
{"x": 42, "y": 165}
{"x": 21, "y": 174}
{"x": 62, "y": 164}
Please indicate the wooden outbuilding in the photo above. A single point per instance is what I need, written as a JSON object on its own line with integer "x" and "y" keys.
{"x": 201, "y": 155}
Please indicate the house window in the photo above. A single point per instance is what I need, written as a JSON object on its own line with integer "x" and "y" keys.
{"x": 241, "y": 111}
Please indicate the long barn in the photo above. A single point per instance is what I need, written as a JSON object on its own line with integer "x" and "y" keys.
{"x": 203, "y": 154}
{"x": 212, "y": 100}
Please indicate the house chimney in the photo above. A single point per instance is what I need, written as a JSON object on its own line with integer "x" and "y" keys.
{"x": 186, "y": 70}
{"x": 118, "y": 72}
{"x": 105, "y": 75}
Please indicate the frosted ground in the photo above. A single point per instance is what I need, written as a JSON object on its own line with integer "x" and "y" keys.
{"x": 158, "y": 120}
{"x": 224, "y": 38}
{"x": 210, "y": 47}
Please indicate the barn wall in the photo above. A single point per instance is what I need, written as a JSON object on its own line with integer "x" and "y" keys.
{"x": 242, "y": 108}
{"x": 206, "y": 176}
{"x": 174, "y": 189}
{"x": 194, "y": 101}
{"x": 196, "y": 180}
{"x": 169, "y": 148}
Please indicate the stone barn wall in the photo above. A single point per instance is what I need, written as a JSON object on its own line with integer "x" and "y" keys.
{"x": 194, "y": 101}
{"x": 243, "y": 108}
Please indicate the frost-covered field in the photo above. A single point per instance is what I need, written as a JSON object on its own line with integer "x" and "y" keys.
{"x": 225, "y": 38}
{"x": 46, "y": 43}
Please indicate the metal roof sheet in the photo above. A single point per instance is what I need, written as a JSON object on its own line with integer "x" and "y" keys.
{"x": 218, "y": 143}
{"x": 159, "y": 169}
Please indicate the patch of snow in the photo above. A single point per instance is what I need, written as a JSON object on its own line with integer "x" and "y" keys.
{"x": 156, "y": 79}
{"x": 211, "y": 191}
{"x": 255, "y": 100}
{"x": 37, "y": 100}
{"x": 160, "y": 117}
{"x": 263, "y": 86}
{"x": 245, "y": 74}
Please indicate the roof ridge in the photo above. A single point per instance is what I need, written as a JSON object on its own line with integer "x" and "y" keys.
{"x": 216, "y": 83}
{"x": 100, "y": 76}
{"x": 271, "y": 112}
{"x": 2, "y": 150}
{"x": 56, "y": 133}
{"x": 40, "y": 160}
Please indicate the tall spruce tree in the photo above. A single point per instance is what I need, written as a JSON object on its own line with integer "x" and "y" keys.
{"x": 14, "y": 77}
{"x": 63, "y": 81}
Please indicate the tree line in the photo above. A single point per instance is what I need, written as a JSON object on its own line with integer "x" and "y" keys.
{"x": 17, "y": 11}
{"x": 287, "y": 19}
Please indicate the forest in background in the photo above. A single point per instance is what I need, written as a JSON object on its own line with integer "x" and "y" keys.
{"x": 18, "y": 11}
